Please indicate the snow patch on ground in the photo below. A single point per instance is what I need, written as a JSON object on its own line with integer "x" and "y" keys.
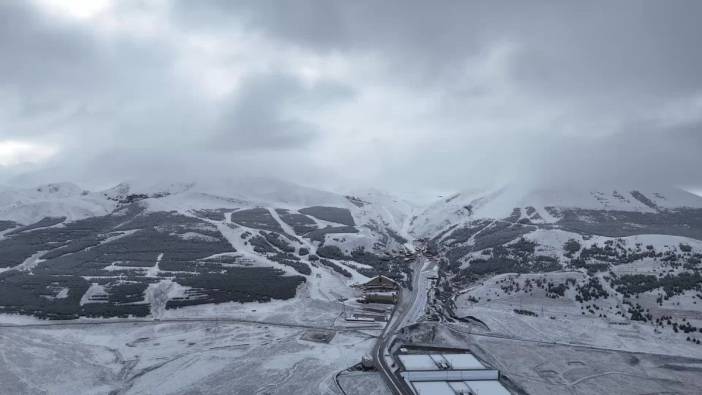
{"x": 563, "y": 320}
{"x": 197, "y": 236}
{"x": 30, "y": 262}
{"x": 154, "y": 270}
{"x": 158, "y": 294}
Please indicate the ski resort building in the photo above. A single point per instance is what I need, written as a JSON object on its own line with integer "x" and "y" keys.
{"x": 380, "y": 284}
{"x": 379, "y": 297}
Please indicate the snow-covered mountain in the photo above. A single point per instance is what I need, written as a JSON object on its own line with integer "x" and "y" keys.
{"x": 544, "y": 205}
{"x": 573, "y": 259}
{"x": 613, "y": 255}
{"x": 466, "y": 224}
{"x": 27, "y": 206}
{"x": 140, "y": 248}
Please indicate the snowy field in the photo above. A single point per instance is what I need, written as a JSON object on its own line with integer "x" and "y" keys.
{"x": 540, "y": 368}
{"x": 174, "y": 358}
{"x": 363, "y": 383}
{"x": 589, "y": 331}
{"x": 561, "y": 320}
{"x": 543, "y": 367}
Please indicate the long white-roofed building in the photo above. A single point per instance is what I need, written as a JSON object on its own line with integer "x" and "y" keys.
{"x": 450, "y": 373}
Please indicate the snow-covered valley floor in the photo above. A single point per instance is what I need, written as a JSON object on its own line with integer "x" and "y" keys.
{"x": 541, "y": 368}
{"x": 174, "y": 358}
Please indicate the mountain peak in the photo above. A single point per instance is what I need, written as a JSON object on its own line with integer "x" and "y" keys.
{"x": 61, "y": 189}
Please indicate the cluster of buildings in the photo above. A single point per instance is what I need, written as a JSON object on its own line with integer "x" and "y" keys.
{"x": 374, "y": 302}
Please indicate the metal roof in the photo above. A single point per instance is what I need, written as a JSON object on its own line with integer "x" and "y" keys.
{"x": 417, "y": 362}
{"x": 463, "y": 361}
{"x": 440, "y": 362}
{"x": 478, "y": 387}
{"x": 433, "y": 388}
{"x": 487, "y": 387}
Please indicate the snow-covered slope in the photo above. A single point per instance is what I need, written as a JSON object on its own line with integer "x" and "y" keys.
{"x": 242, "y": 191}
{"x": 377, "y": 215}
{"x": 571, "y": 258}
{"x": 27, "y": 206}
{"x": 391, "y": 210}
{"x": 69, "y": 200}
{"x": 139, "y": 248}
{"x": 535, "y": 204}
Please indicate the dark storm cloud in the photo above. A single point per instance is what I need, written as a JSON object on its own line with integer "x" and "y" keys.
{"x": 390, "y": 93}
{"x": 37, "y": 53}
{"x": 261, "y": 113}
{"x": 115, "y": 103}
{"x": 46, "y": 55}
{"x": 61, "y": 75}
{"x": 413, "y": 35}
{"x": 638, "y": 45}
{"x": 607, "y": 64}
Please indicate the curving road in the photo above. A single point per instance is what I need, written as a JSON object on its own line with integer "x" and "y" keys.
{"x": 409, "y": 308}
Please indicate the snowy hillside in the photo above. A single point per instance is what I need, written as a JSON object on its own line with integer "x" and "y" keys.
{"x": 541, "y": 205}
{"x": 27, "y": 206}
{"x": 559, "y": 259}
{"x": 141, "y": 249}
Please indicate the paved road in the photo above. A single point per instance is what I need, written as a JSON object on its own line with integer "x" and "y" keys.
{"x": 409, "y": 309}
{"x": 419, "y": 301}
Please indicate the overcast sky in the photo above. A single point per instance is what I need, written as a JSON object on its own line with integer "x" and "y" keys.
{"x": 408, "y": 96}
